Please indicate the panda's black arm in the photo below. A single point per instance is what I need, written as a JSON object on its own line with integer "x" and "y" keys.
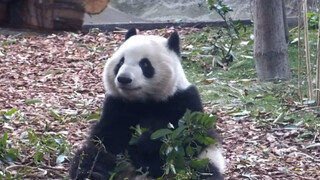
{"x": 192, "y": 101}
{"x": 92, "y": 162}
{"x": 194, "y": 104}
{"x": 189, "y": 99}
{"x": 113, "y": 129}
{"x": 178, "y": 104}
{"x": 110, "y": 136}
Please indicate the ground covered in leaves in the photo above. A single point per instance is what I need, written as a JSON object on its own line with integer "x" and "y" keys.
{"x": 51, "y": 92}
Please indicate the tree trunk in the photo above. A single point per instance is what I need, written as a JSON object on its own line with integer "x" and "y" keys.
{"x": 285, "y": 22}
{"x": 270, "y": 47}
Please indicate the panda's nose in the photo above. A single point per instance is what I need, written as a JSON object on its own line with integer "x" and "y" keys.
{"x": 124, "y": 80}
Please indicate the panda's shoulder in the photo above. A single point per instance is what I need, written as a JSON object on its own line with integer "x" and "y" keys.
{"x": 189, "y": 92}
{"x": 188, "y": 97}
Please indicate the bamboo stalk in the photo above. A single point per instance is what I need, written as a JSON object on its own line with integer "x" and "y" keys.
{"x": 318, "y": 65}
{"x": 299, "y": 50}
{"x": 307, "y": 50}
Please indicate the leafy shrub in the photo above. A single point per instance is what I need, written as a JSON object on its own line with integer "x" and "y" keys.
{"x": 181, "y": 146}
{"x": 7, "y": 154}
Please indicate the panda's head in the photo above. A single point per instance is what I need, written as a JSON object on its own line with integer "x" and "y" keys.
{"x": 145, "y": 68}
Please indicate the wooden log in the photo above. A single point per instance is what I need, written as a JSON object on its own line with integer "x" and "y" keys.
{"x": 14, "y": 12}
{"x": 3, "y": 13}
{"x": 37, "y": 14}
{"x": 95, "y": 6}
{"x": 43, "y": 14}
{"x": 68, "y": 14}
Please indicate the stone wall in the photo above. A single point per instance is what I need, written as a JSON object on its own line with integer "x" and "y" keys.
{"x": 186, "y": 10}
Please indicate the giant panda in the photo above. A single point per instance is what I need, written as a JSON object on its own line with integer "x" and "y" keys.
{"x": 146, "y": 85}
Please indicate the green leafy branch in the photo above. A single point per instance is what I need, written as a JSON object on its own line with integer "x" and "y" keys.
{"x": 223, "y": 42}
{"x": 223, "y": 11}
{"x": 182, "y": 145}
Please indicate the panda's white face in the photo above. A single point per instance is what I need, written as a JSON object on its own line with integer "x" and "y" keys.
{"x": 145, "y": 68}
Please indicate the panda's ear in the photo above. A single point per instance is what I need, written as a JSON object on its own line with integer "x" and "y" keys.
{"x": 174, "y": 43}
{"x": 130, "y": 32}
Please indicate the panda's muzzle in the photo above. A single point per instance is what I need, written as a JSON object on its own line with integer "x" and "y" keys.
{"x": 125, "y": 83}
{"x": 124, "y": 80}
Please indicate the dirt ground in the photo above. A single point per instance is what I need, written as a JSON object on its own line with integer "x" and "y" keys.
{"x": 64, "y": 71}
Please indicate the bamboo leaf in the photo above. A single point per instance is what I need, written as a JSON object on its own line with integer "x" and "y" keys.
{"x": 160, "y": 133}
{"x": 199, "y": 164}
{"x": 38, "y": 156}
{"x": 190, "y": 151}
{"x": 33, "y": 101}
{"x": 177, "y": 132}
{"x": 55, "y": 115}
{"x": 3, "y": 141}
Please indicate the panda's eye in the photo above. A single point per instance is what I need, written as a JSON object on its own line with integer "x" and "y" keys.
{"x": 116, "y": 69}
{"x": 121, "y": 61}
{"x": 147, "y": 68}
{"x": 144, "y": 64}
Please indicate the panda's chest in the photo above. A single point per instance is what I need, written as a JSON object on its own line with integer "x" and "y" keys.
{"x": 153, "y": 121}
{"x": 153, "y": 116}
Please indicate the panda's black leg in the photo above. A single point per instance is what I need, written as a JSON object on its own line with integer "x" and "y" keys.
{"x": 92, "y": 162}
{"x": 211, "y": 173}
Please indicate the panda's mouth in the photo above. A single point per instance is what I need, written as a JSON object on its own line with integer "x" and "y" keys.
{"x": 130, "y": 88}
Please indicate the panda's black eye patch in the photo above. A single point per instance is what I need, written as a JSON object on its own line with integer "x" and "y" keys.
{"x": 116, "y": 69}
{"x": 147, "y": 68}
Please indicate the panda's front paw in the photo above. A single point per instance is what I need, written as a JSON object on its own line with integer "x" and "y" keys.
{"x": 211, "y": 173}
{"x": 146, "y": 144}
{"x": 98, "y": 176}
{"x": 92, "y": 176}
